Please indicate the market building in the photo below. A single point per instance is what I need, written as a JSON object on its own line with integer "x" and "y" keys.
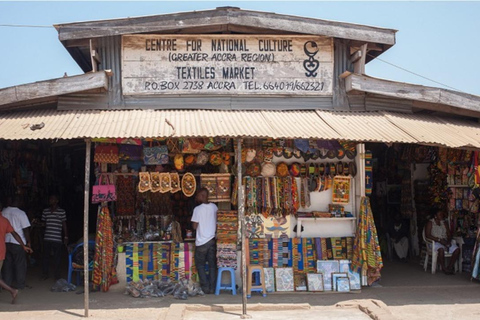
{"x": 274, "y": 114}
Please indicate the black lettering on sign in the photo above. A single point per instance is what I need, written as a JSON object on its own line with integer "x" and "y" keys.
{"x": 275, "y": 45}
{"x": 161, "y": 44}
{"x": 194, "y": 45}
{"x": 246, "y": 73}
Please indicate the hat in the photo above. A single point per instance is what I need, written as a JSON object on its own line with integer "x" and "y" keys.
{"x": 253, "y": 169}
{"x": 202, "y": 158}
{"x": 178, "y": 162}
{"x": 295, "y": 169}
{"x": 282, "y": 169}
{"x": 215, "y": 158}
{"x": 189, "y": 160}
{"x": 268, "y": 169}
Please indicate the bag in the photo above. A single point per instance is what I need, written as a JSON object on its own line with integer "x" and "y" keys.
{"x": 130, "y": 152}
{"x": 106, "y": 154}
{"x": 104, "y": 192}
{"x": 155, "y": 155}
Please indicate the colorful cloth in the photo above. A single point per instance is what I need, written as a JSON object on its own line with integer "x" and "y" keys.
{"x": 104, "y": 273}
{"x": 366, "y": 249}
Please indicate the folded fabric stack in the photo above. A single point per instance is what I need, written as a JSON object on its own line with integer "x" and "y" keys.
{"x": 227, "y": 228}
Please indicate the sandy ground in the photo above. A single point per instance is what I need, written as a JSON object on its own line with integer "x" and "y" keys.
{"x": 407, "y": 291}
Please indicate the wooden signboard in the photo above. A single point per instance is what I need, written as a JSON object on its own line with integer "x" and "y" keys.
{"x": 227, "y": 65}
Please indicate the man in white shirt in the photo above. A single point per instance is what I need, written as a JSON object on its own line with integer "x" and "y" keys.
{"x": 204, "y": 221}
{"x": 15, "y": 264}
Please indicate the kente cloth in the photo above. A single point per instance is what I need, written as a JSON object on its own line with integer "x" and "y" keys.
{"x": 308, "y": 255}
{"x": 142, "y": 261}
{"x": 335, "y": 248}
{"x": 125, "y": 188}
{"x": 174, "y": 262}
{"x": 104, "y": 273}
{"x": 368, "y": 173}
{"x": 318, "y": 248}
{"x": 366, "y": 248}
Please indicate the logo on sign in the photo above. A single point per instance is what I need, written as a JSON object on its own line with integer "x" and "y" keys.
{"x": 311, "y": 64}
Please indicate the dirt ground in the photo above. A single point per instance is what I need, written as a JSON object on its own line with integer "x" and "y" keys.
{"x": 406, "y": 290}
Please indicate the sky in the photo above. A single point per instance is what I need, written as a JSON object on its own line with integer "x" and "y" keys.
{"x": 439, "y": 41}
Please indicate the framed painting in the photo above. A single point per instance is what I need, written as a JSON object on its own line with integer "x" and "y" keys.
{"x": 284, "y": 279}
{"x": 327, "y": 267}
{"x": 335, "y": 277}
{"x": 315, "y": 282}
{"x": 343, "y": 284}
{"x": 269, "y": 279}
{"x": 300, "y": 281}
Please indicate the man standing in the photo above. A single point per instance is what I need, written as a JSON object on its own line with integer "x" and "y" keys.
{"x": 15, "y": 264}
{"x": 55, "y": 220}
{"x": 6, "y": 229}
{"x": 204, "y": 221}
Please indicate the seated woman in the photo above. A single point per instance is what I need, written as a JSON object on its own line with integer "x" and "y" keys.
{"x": 437, "y": 230}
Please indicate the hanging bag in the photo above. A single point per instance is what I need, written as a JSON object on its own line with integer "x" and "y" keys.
{"x": 106, "y": 154}
{"x": 104, "y": 191}
{"x": 155, "y": 155}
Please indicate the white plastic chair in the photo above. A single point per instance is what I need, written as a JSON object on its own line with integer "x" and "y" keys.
{"x": 430, "y": 244}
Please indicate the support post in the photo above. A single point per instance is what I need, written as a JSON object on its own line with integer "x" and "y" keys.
{"x": 86, "y": 203}
{"x": 241, "y": 217}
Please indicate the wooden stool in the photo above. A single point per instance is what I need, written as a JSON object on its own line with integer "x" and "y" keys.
{"x": 259, "y": 286}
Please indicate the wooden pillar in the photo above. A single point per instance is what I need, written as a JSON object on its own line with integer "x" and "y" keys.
{"x": 86, "y": 203}
{"x": 241, "y": 217}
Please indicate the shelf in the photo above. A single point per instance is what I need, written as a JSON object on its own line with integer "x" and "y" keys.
{"x": 351, "y": 221}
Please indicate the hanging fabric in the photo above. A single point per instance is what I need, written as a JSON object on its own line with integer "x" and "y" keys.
{"x": 104, "y": 273}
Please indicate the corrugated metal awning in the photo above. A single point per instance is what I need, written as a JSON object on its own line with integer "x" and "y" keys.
{"x": 364, "y": 126}
{"x": 375, "y": 126}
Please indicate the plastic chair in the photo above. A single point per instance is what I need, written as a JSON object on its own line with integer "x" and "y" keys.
{"x": 221, "y": 286}
{"x": 430, "y": 244}
{"x": 72, "y": 268}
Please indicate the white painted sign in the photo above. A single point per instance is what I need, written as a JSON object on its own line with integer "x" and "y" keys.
{"x": 227, "y": 65}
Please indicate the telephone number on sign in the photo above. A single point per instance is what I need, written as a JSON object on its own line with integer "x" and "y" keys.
{"x": 293, "y": 86}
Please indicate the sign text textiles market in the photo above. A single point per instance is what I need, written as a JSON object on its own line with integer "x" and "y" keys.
{"x": 227, "y": 64}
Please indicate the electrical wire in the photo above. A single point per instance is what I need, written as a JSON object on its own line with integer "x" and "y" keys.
{"x": 414, "y": 73}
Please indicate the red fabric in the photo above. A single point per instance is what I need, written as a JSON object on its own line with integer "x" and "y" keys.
{"x": 5, "y": 227}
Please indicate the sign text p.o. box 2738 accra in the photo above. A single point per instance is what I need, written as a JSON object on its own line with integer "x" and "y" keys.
{"x": 227, "y": 65}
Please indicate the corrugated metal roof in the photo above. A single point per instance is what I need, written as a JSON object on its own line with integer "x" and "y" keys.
{"x": 320, "y": 124}
{"x": 16, "y": 126}
{"x": 299, "y": 124}
{"x": 427, "y": 129}
{"x": 364, "y": 126}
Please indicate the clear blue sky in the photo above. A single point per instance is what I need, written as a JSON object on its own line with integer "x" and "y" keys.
{"x": 438, "y": 40}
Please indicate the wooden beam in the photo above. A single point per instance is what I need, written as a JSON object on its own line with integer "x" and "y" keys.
{"x": 227, "y": 16}
{"x": 54, "y": 87}
{"x": 439, "y": 97}
{"x": 359, "y": 64}
{"x": 86, "y": 206}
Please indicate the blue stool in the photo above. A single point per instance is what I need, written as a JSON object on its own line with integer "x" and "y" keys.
{"x": 221, "y": 286}
{"x": 255, "y": 280}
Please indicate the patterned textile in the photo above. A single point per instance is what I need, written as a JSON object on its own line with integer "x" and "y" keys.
{"x": 366, "y": 249}
{"x": 104, "y": 273}
{"x": 227, "y": 227}
{"x": 126, "y": 190}
{"x": 299, "y": 253}
{"x": 160, "y": 261}
{"x": 368, "y": 173}
{"x": 476, "y": 258}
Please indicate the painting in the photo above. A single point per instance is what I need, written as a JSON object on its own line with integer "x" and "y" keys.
{"x": 343, "y": 284}
{"x": 352, "y": 275}
{"x": 254, "y": 226}
{"x": 284, "y": 279}
{"x": 327, "y": 267}
{"x": 277, "y": 227}
{"x": 300, "y": 281}
{"x": 269, "y": 279}
{"x": 315, "y": 282}
{"x": 341, "y": 189}
{"x": 335, "y": 276}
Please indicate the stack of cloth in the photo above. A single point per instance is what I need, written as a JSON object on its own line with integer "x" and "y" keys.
{"x": 227, "y": 228}
{"x": 300, "y": 254}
